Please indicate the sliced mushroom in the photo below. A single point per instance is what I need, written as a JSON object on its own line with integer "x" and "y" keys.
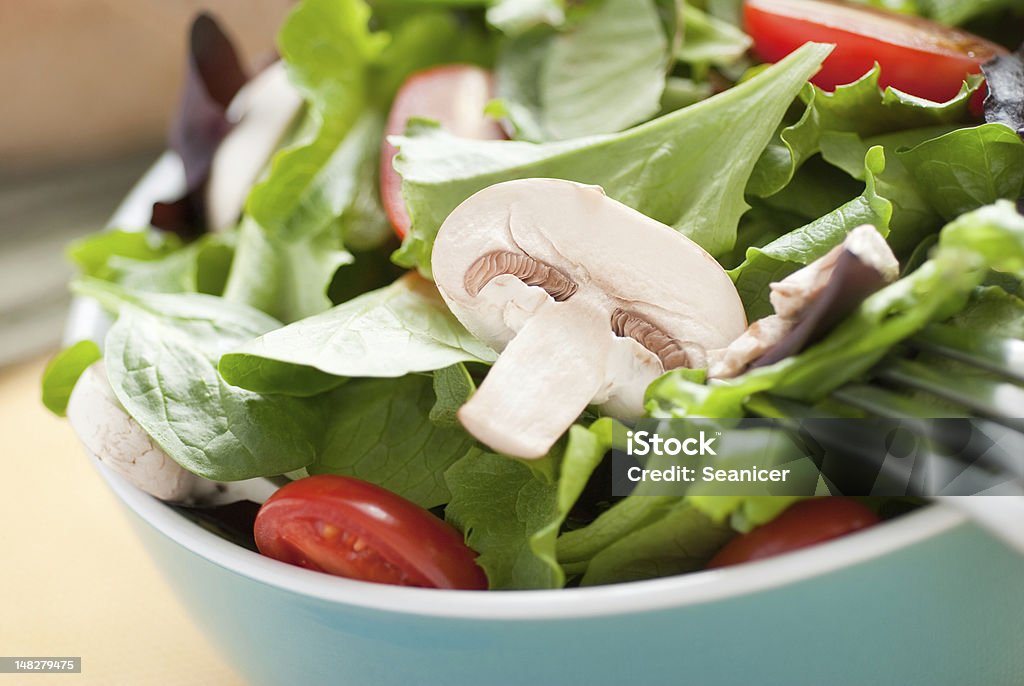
{"x": 264, "y": 109}
{"x": 110, "y": 435}
{"x": 588, "y": 300}
{"x": 810, "y": 302}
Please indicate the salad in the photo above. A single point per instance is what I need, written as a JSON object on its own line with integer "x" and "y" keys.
{"x": 425, "y": 265}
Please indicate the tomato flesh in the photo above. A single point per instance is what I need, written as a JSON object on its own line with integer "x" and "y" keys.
{"x": 916, "y": 56}
{"x": 803, "y": 524}
{"x": 348, "y": 527}
{"x": 454, "y": 95}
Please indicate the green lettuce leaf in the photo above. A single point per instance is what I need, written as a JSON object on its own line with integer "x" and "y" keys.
{"x": 957, "y": 12}
{"x": 515, "y": 17}
{"x": 62, "y": 374}
{"x": 93, "y": 253}
{"x": 743, "y": 512}
{"x": 156, "y": 261}
{"x": 913, "y": 217}
{"x": 576, "y": 548}
{"x": 452, "y": 387}
{"x": 327, "y": 46}
{"x": 585, "y": 448}
{"x": 683, "y": 540}
{"x": 601, "y": 75}
{"x": 710, "y": 41}
{"x": 687, "y": 169}
{"x": 776, "y": 260}
{"x": 968, "y": 168}
{"x": 379, "y": 430}
{"x": 390, "y": 332}
{"x": 511, "y": 513}
{"x": 286, "y": 279}
{"x": 498, "y": 504}
{"x": 992, "y": 312}
{"x": 861, "y": 107}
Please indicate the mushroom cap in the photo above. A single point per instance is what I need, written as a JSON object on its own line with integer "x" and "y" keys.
{"x": 265, "y": 109}
{"x": 630, "y": 260}
{"x": 110, "y": 435}
{"x": 588, "y": 300}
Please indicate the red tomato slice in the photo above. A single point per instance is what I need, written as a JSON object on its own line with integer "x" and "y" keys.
{"x": 917, "y": 56}
{"x": 351, "y": 528}
{"x": 803, "y": 524}
{"x": 454, "y": 95}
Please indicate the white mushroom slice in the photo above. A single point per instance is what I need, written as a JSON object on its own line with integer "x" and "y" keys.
{"x": 809, "y": 302}
{"x": 265, "y": 109}
{"x": 588, "y": 299}
{"x": 793, "y": 294}
{"x": 110, "y": 435}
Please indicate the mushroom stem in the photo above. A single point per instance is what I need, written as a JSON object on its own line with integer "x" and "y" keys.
{"x": 523, "y": 414}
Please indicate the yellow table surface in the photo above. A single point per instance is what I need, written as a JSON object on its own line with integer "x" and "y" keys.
{"x": 73, "y": 579}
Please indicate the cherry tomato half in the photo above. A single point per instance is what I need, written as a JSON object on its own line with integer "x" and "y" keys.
{"x": 803, "y": 524}
{"x": 454, "y": 95}
{"x": 917, "y": 56}
{"x": 351, "y": 528}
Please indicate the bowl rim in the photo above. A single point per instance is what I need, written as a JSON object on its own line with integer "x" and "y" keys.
{"x": 553, "y": 604}
{"x": 86, "y": 320}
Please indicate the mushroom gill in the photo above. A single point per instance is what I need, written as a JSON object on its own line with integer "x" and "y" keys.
{"x": 671, "y": 352}
{"x": 528, "y": 270}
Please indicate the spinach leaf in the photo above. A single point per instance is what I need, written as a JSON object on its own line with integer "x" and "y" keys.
{"x": 379, "y": 430}
{"x": 452, "y": 388}
{"x": 968, "y": 168}
{"x": 62, "y": 374}
{"x": 390, "y": 332}
{"x": 161, "y": 358}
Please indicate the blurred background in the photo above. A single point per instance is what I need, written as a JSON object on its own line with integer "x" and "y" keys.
{"x": 87, "y": 89}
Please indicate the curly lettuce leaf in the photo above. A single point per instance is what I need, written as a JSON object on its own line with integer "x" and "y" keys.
{"x": 781, "y": 257}
{"x": 861, "y": 107}
{"x": 327, "y": 46}
{"x": 913, "y": 217}
{"x": 687, "y": 169}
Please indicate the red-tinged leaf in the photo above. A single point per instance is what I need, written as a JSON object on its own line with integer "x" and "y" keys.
{"x": 214, "y": 76}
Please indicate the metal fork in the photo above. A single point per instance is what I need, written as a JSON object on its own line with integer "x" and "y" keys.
{"x": 983, "y": 439}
